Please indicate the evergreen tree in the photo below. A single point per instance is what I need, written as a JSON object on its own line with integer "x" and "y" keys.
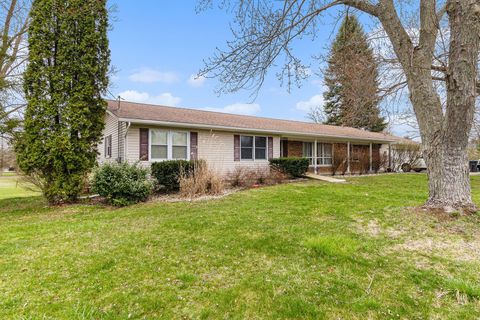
{"x": 352, "y": 98}
{"x": 64, "y": 82}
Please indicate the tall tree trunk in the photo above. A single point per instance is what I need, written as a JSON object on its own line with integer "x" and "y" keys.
{"x": 451, "y": 181}
{"x": 444, "y": 133}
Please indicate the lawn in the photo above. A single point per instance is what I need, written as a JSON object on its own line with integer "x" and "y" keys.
{"x": 304, "y": 250}
{"x": 11, "y": 186}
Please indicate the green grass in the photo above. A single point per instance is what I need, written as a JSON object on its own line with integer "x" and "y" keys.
{"x": 298, "y": 251}
{"x": 11, "y": 187}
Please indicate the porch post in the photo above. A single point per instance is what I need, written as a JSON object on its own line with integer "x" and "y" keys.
{"x": 371, "y": 157}
{"x": 348, "y": 157}
{"x": 315, "y": 154}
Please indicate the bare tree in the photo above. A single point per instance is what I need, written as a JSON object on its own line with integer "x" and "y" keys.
{"x": 265, "y": 30}
{"x": 316, "y": 114}
{"x": 13, "y": 55}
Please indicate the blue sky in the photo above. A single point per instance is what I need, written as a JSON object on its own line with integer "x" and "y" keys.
{"x": 159, "y": 46}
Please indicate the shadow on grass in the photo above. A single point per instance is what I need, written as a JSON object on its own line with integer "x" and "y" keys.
{"x": 21, "y": 205}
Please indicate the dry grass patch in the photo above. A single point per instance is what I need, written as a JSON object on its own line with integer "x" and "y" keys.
{"x": 200, "y": 181}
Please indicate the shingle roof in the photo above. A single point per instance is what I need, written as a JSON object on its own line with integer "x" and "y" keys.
{"x": 148, "y": 112}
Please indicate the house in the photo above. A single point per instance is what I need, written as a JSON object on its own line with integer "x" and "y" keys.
{"x": 149, "y": 133}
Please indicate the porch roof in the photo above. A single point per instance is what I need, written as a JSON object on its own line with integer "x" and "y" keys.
{"x": 191, "y": 118}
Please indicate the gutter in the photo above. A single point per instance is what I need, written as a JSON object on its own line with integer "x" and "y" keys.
{"x": 237, "y": 129}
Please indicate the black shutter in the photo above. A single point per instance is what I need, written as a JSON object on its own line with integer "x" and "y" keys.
{"x": 144, "y": 144}
{"x": 270, "y": 148}
{"x": 236, "y": 147}
{"x": 194, "y": 145}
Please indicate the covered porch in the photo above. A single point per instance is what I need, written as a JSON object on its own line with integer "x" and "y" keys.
{"x": 336, "y": 156}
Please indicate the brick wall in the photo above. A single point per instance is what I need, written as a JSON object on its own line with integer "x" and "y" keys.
{"x": 295, "y": 148}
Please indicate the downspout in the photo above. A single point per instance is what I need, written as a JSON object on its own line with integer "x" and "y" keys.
{"x": 125, "y": 142}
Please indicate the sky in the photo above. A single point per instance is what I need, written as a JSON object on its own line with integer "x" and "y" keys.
{"x": 158, "y": 47}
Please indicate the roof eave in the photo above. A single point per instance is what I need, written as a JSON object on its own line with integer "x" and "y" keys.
{"x": 249, "y": 130}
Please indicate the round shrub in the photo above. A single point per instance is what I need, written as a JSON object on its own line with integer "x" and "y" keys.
{"x": 122, "y": 184}
{"x": 294, "y": 167}
{"x": 167, "y": 173}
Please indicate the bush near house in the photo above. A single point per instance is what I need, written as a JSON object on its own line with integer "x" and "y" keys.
{"x": 167, "y": 173}
{"x": 122, "y": 184}
{"x": 200, "y": 181}
{"x": 247, "y": 177}
{"x": 294, "y": 167}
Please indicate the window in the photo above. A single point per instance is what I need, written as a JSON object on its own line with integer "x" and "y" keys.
{"x": 159, "y": 144}
{"x": 324, "y": 153}
{"x": 253, "y": 148}
{"x": 179, "y": 145}
{"x": 168, "y": 145}
{"x": 308, "y": 151}
{"x": 261, "y": 148}
{"x": 246, "y": 147}
{"x": 108, "y": 146}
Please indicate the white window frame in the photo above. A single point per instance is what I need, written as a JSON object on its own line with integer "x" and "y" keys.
{"x": 322, "y": 157}
{"x": 108, "y": 147}
{"x": 312, "y": 157}
{"x": 253, "y": 148}
{"x": 169, "y": 144}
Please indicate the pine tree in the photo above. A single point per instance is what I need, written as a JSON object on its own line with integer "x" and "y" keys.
{"x": 66, "y": 76}
{"x": 351, "y": 77}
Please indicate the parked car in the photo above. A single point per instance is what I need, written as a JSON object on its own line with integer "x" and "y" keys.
{"x": 417, "y": 166}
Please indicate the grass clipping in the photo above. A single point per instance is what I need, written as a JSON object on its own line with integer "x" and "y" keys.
{"x": 200, "y": 181}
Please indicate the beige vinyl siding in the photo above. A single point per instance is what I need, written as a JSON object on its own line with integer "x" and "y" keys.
{"x": 111, "y": 128}
{"x": 133, "y": 144}
{"x": 215, "y": 147}
{"x": 122, "y": 127}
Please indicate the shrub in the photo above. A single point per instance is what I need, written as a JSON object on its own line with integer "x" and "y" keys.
{"x": 294, "y": 167}
{"x": 247, "y": 177}
{"x": 363, "y": 163}
{"x": 199, "y": 181}
{"x": 121, "y": 184}
{"x": 339, "y": 163}
{"x": 237, "y": 177}
{"x": 276, "y": 177}
{"x": 167, "y": 173}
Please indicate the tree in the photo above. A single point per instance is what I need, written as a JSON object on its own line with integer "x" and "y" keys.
{"x": 64, "y": 83}
{"x": 13, "y": 28}
{"x": 265, "y": 31}
{"x": 351, "y": 77}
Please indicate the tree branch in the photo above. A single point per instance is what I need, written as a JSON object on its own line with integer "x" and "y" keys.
{"x": 402, "y": 44}
{"x": 428, "y": 28}
{"x": 439, "y": 68}
{"x": 441, "y": 12}
{"x": 365, "y": 6}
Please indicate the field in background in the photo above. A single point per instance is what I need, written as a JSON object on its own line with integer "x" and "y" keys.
{"x": 12, "y": 186}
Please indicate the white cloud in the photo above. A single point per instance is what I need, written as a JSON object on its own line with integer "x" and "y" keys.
{"x": 238, "y": 108}
{"x": 315, "y": 101}
{"x": 165, "y": 98}
{"x": 196, "y": 81}
{"x": 147, "y": 75}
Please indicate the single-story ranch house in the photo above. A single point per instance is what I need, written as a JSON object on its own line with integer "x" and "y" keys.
{"x": 149, "y": 133}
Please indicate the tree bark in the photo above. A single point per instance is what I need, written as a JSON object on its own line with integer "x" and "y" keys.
{"x": 444, "y": 133}
{"x": 451, "y": 179}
